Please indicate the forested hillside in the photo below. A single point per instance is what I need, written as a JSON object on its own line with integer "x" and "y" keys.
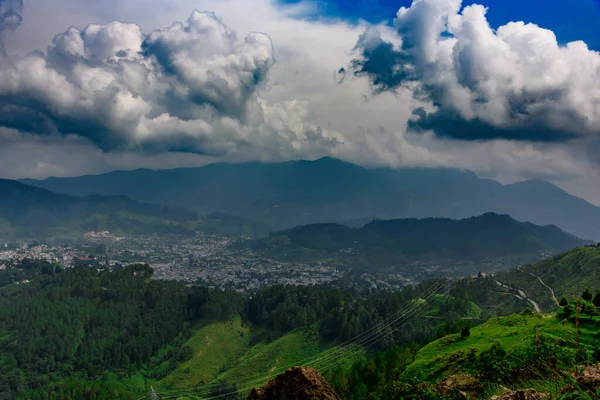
{"x": 564, "y": 275}
{"x": 28, "y": 212}
{"x": 484, "y": 242}
{"x": 533, "y": 353}
{"x": 73, "y": 332}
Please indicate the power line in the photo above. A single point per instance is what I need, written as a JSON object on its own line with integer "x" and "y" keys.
{"x": 391, "y": 319}
{"x": 369, "y": 341}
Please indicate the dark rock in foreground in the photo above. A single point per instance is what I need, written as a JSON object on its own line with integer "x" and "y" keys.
{"x": 297, "y": 383}
{"x": 588, "y": 381}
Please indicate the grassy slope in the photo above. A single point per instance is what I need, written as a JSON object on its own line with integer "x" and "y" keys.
{"x": 567, "y": 274}
{"x": 268, "y": 358}
{"x": 434, "y": 360}
{"x": 215, "y": 348}
{"x": 228, "y": 357}
{"x": 299, "y": 347}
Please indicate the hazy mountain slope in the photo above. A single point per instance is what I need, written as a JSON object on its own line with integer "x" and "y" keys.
{"x": 28, "y": 212}
{"x": 489, "y": 239}
{"x": 287, "y": 194}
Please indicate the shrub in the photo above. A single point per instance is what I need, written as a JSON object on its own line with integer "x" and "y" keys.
{"x": 493, "y": 365}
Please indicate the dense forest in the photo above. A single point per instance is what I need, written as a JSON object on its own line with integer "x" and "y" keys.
{"x": 82, "y": 322}
{"x": 63, "y": 328}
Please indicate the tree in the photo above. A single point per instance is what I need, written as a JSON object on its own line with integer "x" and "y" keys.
{"x": 587, "y": 295}
{"x": 465, "y": 332}
{"x": 596, "y": 300}
{"x": 563, "y": 302}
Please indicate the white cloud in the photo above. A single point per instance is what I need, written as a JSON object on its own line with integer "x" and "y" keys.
{"x": 191, "y": 87}
{"x": 515, "y": 82}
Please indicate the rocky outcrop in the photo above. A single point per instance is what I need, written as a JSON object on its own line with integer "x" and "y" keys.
{"x": 298, "y": 383}
{"x": 524, "y": 394}
{"x": 463, "y": 385}
{"x": 588, "y": 381}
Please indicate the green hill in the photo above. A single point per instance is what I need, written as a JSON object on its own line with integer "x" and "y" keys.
{"x": 520, "y": 351}
{"x": 210, "y": 350}
{"x": 119, "y": 331}
{"x": 487, "y": 242}
{"x": 567, "y": 274}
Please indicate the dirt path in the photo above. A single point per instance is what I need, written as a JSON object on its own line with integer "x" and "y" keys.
{"x": 549, "y": 288}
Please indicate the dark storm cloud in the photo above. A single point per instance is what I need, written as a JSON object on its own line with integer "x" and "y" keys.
{"x": 512, "y": 83}
{"x": 386, "y": 66}
{"x": 452, "y": 126}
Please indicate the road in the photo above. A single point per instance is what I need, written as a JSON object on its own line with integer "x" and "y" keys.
{"x": 522, "y": 296}
{"x": 549, "y": 288}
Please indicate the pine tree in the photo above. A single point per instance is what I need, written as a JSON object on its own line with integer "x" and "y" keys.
{"x": 563, "y": 302}
{"x": 465, "y": 332}
{"x": 587, "y": 295}
{"x": 596, "y": 300}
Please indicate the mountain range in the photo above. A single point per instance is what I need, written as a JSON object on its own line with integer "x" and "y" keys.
{"x": 28, "y": 212}
{"x": 287, "y": 194}
{"x": 483, "y": 243}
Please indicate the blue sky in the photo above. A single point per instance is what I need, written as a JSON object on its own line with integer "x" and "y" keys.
{"x": 569, "y": 19}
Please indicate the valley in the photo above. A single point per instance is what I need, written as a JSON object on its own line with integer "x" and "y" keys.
{"x": 299, "y": 200}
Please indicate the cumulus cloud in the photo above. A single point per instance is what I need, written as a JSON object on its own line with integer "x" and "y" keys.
{"x": 191, "y": 87}
{"x": 514, "y": 83}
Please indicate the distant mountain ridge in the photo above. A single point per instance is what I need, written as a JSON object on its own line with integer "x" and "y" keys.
{"x": 29, "y": 212}
{"x": 287, "y": 194}
{"x": 406, "y": 242}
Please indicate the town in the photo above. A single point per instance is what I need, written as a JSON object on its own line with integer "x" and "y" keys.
{"x": 202, "y": 260}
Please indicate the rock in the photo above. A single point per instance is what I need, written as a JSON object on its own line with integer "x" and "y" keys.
{"x": 297, "y": 383}
{"x": 464, "y": 384}
{"x": 588, "y": 381}
{"x": 590, "y": 378}
{"x": 525, "y": 394}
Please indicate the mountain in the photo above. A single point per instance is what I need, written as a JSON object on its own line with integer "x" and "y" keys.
{"x": 287, "y": 194}
{"x": 29, "y": 212}
{"x": 490, "y": 239}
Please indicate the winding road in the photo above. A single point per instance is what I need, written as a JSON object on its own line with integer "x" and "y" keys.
{"x": 522, "y": 296}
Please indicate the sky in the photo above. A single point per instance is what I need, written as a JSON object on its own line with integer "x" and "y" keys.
{"x": 508, "y": 89}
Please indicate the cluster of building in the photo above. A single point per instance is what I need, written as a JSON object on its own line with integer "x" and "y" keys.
{"x": 207, "y": 260}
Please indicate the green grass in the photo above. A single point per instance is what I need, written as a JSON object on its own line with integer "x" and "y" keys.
{"x": 215, "y": 348}
{"x": 438, "y": 358}
{"x": 221, "y": 354}
{"x": 136, "y": 382}
{"x": 264, "y": 361}
{"x": 267, "y": 359}
{"x": 568, "y": 274}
